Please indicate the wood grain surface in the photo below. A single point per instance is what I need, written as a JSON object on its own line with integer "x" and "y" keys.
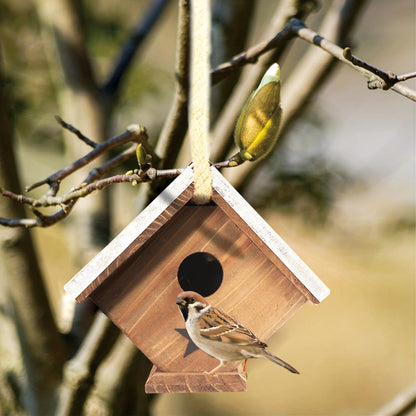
{"x": 140, "y": 295}
{"x": 187, "y": 382}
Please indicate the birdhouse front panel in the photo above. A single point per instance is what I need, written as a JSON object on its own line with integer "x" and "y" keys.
{"x": 140, "y": 296}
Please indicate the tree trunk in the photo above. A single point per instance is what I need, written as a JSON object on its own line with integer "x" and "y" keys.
{"x": 42, "y": 347}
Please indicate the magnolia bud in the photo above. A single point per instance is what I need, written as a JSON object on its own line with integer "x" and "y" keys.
{"x": 258, "y": 125}
{"x": 143, "y": 158}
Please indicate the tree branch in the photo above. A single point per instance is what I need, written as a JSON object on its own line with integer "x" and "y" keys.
{"x": 401, "y": 404}
{"x": 41, "y": 345}
{"x": 222, "y": 130}
{"x": 379, "y": 79}
{"x": 251, "y": 55}
{"x": 111, "y": 377}
{"x": 226, "y": 42}
{"x": 297, "y": 28}
{"x": 79, "y": 371}
{"x": 133, "y": 133}
{"x": 72, "y": 129}
{"x": 174, "y": 129}
{"x": 69, "y": 199}
{"x": 177, "y": 124}
{"x": 138, "y": 35}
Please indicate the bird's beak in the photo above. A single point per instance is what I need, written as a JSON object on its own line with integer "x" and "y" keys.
{"x": 180, "y": 302}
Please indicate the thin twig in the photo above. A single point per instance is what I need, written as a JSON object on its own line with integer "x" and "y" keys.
{"x": 377, "y": 78}
{"x": 405, "y": 77}
{"x": 77, "y": 133}
{"x": 86, "y": 189}
{"x": 68, "y": 200}
{"x": 297, "y": 28}
{"x": 133, "y": 133}
{"x": 110, "y": 164}
{"x": 252, "y": 54}
{"x": 48, "y": 220}
{"x": 386, "y": 79}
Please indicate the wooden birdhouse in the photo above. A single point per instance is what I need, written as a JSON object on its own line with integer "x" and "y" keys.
{"x": 224, "y": 251}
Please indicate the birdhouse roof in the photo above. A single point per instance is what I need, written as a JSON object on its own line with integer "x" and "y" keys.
{"x": 170, "y": 201}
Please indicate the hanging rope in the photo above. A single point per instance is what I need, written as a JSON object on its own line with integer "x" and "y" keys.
{"x": 199, "y": 100}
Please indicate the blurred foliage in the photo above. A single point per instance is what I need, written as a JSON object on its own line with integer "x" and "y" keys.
{"x": 309, "y": 193}
{"x": 31, "y": 91}
{"x": 404, "y": 221}
{"x": 32, "y": 81}
{"x": 298, "y": 177}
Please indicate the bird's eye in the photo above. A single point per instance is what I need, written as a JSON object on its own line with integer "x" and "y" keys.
{"x": 191, "y": 300}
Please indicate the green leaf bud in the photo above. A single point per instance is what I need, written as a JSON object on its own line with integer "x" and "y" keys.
{"x": 258, "y": 125}
{"x": 143, "y": 158}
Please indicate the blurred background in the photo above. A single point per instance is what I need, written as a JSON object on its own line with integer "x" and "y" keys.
{"x": 340, "y": 190}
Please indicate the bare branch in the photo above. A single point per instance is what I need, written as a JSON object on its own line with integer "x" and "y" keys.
{"x": 48, "y": 220}
{"x": 133, "y": 133}
{"x": 111, "y": 376}
{"x": 79, "y": 372}
{"x": 110, "y": 164}
{"x": 137, "y": 36}
{"x": 405, "y": 77}
{"x": 68, "y": 200}
{"x": 174, "y": 129}
{"x": 378, "y": 79}
{"x": 252, "y": 54}
{"x": 72, "y": 129}
{"x": 402, "y": 404}
{"x": 405, "y": 91}
{"x": 295, "y": 27}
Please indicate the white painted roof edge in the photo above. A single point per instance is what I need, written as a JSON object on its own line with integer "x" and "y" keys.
{"x": 279, "y": 247}
{"x": 120, "y": 243}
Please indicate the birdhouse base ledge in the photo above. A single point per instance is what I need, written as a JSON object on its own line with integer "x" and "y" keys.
{"x": 192, "y": 382}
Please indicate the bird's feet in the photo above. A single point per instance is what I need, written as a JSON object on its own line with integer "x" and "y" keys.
{"x": 212, "y": 372}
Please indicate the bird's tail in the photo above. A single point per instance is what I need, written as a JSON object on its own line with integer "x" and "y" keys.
{"x": 279, "y": 361}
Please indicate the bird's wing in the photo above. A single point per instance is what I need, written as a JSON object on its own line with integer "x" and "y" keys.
{"x": 217, "y": 325}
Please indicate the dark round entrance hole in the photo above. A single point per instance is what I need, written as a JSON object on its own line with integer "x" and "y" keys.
{"x": 201, "y": 273}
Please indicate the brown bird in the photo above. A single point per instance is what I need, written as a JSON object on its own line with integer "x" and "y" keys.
{"x": 220, "y": 335}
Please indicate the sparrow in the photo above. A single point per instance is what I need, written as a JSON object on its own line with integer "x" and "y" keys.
{"x": 220, "y": 335}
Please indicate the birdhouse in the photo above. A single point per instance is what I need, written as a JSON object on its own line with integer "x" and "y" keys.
{"x": 225, "y": 251}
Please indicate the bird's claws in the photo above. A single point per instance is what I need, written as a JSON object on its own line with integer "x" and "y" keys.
{"x": 210, "y": 373}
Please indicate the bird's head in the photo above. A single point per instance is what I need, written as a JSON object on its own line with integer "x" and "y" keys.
{"x": 190, "y": 303}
